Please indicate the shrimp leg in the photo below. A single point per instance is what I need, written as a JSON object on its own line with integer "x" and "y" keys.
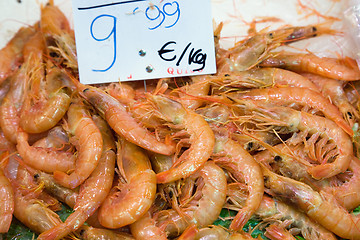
{"x": 6, "y": 203}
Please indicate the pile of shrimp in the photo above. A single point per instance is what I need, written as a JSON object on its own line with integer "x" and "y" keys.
{"x": 273, "y": 135}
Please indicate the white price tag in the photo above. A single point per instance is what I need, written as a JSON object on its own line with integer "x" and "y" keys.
{"x": 143, "y": 39}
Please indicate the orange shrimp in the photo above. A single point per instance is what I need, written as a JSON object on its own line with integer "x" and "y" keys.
{"x": 262, "y": 77}
{"x": 44, "y": 159}
{"x": 341, "y": 69}
{"x": 202, "y": 138}
{"x": 334, "y": 90}
{"x": 44, "y": 112}
{"x": 243, "y": 166}
{"x": 191, "y": 95}
{"x": 90, "y": 233}
{"x": 246, "y": 54}
{"x": 6, "y": 203}
{"x": 93, "y": 191}
{"x": 11, "y": 105}
{"x": 128, "y": 201}
{"x": 145, "y": 228}
{"x": 121, "y": 121}
{"x": 215, "y": 232}
{"x": 297, "y": 120}
{"x": 28, "y": 209}
{"x": 302, "y": 96}
{"x": 11, "y": 55}
{"x": 89, "y": 145}
{"x": 320, "y": 207}
{"x": 53, "y": 22}
{"x": 203, "y": 207}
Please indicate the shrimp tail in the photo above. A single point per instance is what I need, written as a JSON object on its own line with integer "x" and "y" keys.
{"x": 241, "y": 219}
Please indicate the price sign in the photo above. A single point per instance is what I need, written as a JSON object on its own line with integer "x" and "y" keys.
{"x": 143, "y": 39}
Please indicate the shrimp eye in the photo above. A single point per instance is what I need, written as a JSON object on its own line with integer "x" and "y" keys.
{"x": 227, "y": 75}
{"x": 82, "y": 231}
{"x": 249, "y": 146}
{"x": 266, "y": 179}
{"x": 271, "y": 35}
{"x": 349, "y": 115}
{"x": 277, "y": 158}
{"x": 86, "y": 89}
{"x": 36, "y": 176}
{"x": 314, "y": 29}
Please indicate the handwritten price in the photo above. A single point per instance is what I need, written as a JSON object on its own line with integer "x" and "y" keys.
{"x": 161, "y": 15}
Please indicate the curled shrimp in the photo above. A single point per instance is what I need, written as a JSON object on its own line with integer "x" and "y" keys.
{"x": 89, "y": 144}
{"x": 320, "y": 207}
{"x": 203, "y": 207}
{"x": 6, "y": 203}
{"x": 294, "y": 95}
{"x": 344, "y": 69}
{"x": 131, "y": 199}
{"x": 333, "y": 89}
{"x": 93, "y": 191}
{"x": 298, "y": 120}
{"x": 243, "y": 166}
{"x": 121, "y": 121}
{"x": 261, "y": 78}
{"x": 202, "y": 138}
{"x": 12, "y": 54}
{"x": 43, "y": 113}
{"x": 90, "y": 233}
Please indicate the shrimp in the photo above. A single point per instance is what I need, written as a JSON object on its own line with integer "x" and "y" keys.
{"x": 302, "y": 96}
{"x": 121, "y": 121}
{"x": 89, "y": 144}
{"x": 261, "y": 78}
{"x": 6, "y": 203}
{"x": 145, "y": 228}
{"x": 202, "y": 138}
{"x": 247, "y": 54}
{"x": 297, "y": 120}
{"x": 274, "y": 211}
{"x": 128, "y": 201}
{"x": 243, "y": 166}
{"x": 11, "y": 55}
{"x": 28, "y": 209}
{"x": 333, "y": 89}
{"x": 191, "y": 95}
{"x": 215, "y": 232}
{"x": 90, "y": 233}
{"x": 93, "y": 191}
{"x": 320, "y": 207}
{"x": 52, "y": 21}
{"x": 343, "y": 69}
{"x": 203, "y": 207}
{"x": 11, "y": 105}
{"x": 43, "y": 113}
{"x": 44, "y": 159}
